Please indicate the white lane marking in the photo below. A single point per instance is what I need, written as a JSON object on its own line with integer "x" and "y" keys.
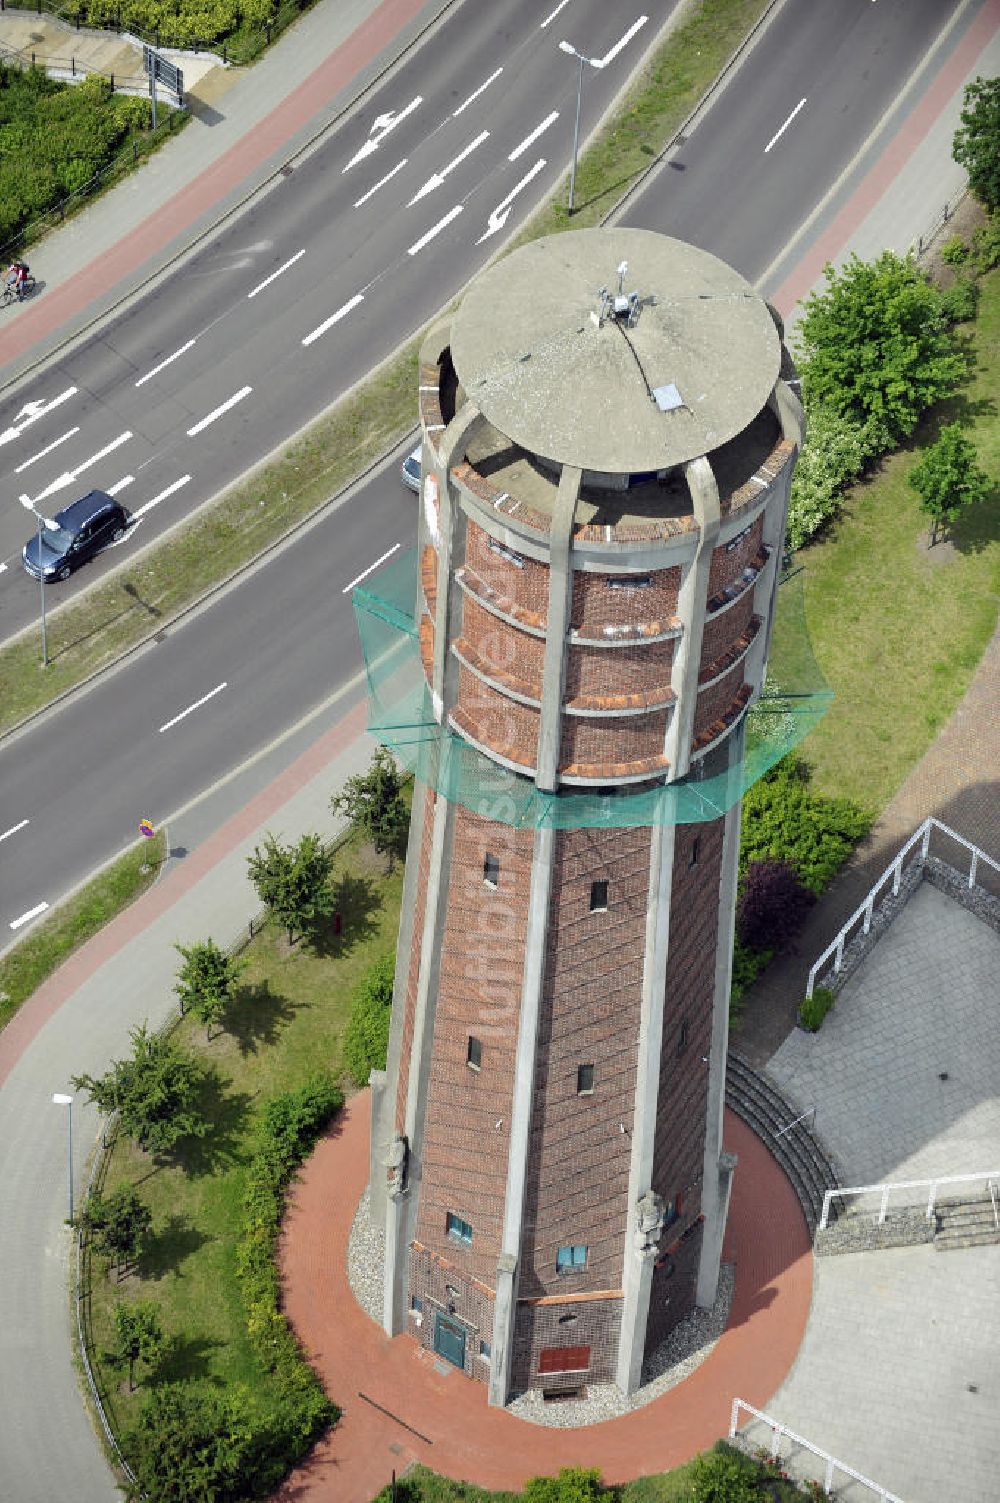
{"x": 441, "y": 224}
{"x": 602, "y": 62}
{"x": 68, "y": 476}
{"x": 380, "y": 129}
{"x": 276, "y": 274}
{"x": 142, "y": 510}
{"x": 371, "y": 567}
{"x": 238, "y": 396}
{"x": 779, "y": 133}
{"x": 196, "y": 706}
{"x": 13, "y": 829}
{"x": 380, "y": 184}
{"x": 47, "y": 450}
{"x": 498, "y": 218}
{"x": 529, "y": 140}
{"x": 32, "y": 411}
{"x": 437, "y": 178}
{"x": 476, "y": 93}
{"x": 3, "y": 567}
{"x": 27, "y": 917}
{"x": 552, "y": 14}
{"x": 334, "y": 318}
{"x": 120, "y": 485}
{"x": 164, "y": 363}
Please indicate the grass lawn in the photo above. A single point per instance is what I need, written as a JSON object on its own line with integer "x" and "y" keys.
{"x": 288, "y": 1024}
{"x": 898, "y": 630}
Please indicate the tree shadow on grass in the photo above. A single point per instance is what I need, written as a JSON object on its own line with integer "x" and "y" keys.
{"x": 978, "y": 526}
{"x": 257, "y": 1016}
{"x": 166, "y": 1249}
{"x": 186, "y": 1357}
{"x": 226, "y": 1113}
{"x": 357, "y": 901}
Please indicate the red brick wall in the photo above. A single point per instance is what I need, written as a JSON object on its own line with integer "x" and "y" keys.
{"x": 410, "y": 995}
{"x": 618, "y": 670}
{"x": 528, "y": 587}
{"x": 722, "y": 631}
{"x": 612, "y": 740}
{"x": 464, "y": 1156}
{"x": 729, "y": 565}
{"x": 430, "y": 1277}
{"x": 716, "y": 699}
{"x": 594, "y": 1323}
{"x": 596, "y": 604}
{"x": 577, "y": 1186}
{"x": 501, "y": 645}
{"x": 508, "y": 727}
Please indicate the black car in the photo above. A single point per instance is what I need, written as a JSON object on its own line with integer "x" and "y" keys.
{"x": 82, "y": 529}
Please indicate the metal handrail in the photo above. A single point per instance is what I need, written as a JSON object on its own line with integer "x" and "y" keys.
{"x": 809, "y": 1112}
{"x": 832, "y": 1464}
{"x": 886, "y": 1189}
{"x": 894, "y": 870}
{"x": 993, "y": 1197}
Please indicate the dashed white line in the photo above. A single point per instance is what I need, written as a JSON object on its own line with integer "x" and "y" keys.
{"x": 334, "y": 318}
{"x": 602, "y": 62}
{"x": 120, "y": 485}
{"x": 196, "y": 706}
{"x": 164, "y": 363}
{"x": 528, "y": 140}
{"x": 238, "y": 396}
{"x": 476, "y": 93}
{"x": 27, "y": 917}
{"x": 276, "y": 274}
{"x": 142, "y": 510}
{"x": 779, "y": 133}
{"x": 32, "y": 411}
{"x": 47, "y": 450}
{"x": 552, "y": 14}
{"x": 380, "y": 184}
{"x": 371, "y": 567}
{"x": 441, "y": 224}
{"x": 14, "y": 829}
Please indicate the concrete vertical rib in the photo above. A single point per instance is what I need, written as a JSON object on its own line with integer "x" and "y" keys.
{"x": 691, "y": 604}
{"x": 520, "y": 1117}
{"x": 560, "y": 601}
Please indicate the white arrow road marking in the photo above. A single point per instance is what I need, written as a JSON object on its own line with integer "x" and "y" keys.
{"x": 196, "y": 706}
{"x": 244, "y": 391}
{"x": 47, "y": 450}
{"x": 68, "y": 476}
{"x": 380, "y": 184}
{"x": 383, "y": 125}
{"x": 441, "y": 224}
{"x": 32, "y": 411}
{"x": 437, "y": 178}
{"x": 498, "y": 218}
{"x": 476, "y": 93}
{"x": 334, "y": 318}
{"x": 602, "y": 62}
{"x": 27, "y": 917}
{"x": 365, "y": 572}
{"x": 164, "y": 363}
{"x": 275, "y": 274}
{"x": 779, "y": 133}
{"x": 529, "y": 140}
{"x": 552, "y": 14}
{"x": 13, "y": 829}
{"x": 142, "y": 510}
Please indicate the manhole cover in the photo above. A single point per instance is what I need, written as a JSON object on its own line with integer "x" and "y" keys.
{"x": 287, "y": 170}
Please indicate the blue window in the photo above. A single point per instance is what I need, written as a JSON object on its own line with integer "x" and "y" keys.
{"x": 485, "y": 1350}
{"x": 459, "y": 1229}
{"x": 571, "y": 1259}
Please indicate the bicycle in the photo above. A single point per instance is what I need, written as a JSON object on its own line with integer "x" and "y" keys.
{"x": 13, "y": 294}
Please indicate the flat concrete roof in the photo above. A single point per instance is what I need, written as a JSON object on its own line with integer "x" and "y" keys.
{"x": 531, "y": 354}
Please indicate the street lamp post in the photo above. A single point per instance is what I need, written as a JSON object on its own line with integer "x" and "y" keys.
{"x": 568, "y": 47}
{"x": 67, "y": 1101}
{"x": 29, "y": 505}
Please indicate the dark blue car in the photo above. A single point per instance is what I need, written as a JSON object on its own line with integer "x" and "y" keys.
{"x": 82, "y": 529}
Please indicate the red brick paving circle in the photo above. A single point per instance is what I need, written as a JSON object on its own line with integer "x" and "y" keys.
{"x": 462, "y": 1436}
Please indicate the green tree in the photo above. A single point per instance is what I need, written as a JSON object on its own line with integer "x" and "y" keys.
{"x": 138, "y": 1335}
{"x": 294, "y": 882}
{"x": 574, "y": 1484}
{"x": 723, "y": 1476}
{"x": 373, "y": 800}
{"x": 947, "y": 478}
{"x": 191, "y": 1443}
{"x": 119, "y": 1224}
{"x": 976, "y": 146}
{"x": 876, "y": 346}
{"x": 155, "y": 1092}
{"x": 366, "y": 1037}
{"x": 206, "y": 982}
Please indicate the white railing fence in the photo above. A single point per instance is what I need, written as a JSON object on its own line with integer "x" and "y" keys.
{"x": 988, "y": 1178}
{"x": 865, "y": 913}
{"x": 831, "y": 1465}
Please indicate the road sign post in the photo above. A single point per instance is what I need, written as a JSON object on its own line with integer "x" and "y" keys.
{"x": 161, "y": 68}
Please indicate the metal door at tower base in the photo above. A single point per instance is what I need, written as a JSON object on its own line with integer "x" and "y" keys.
{"x": 449, "y": 1339}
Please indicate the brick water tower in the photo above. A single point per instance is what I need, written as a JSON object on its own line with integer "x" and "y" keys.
{"x": 608, "y": 444}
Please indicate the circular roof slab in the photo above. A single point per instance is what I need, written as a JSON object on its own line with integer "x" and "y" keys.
{"x": 535, "y": 355}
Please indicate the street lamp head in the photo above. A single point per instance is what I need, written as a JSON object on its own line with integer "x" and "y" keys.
{"x": 565, "y": 46}
{"x": 60, "y": 1099}
{"x": 26, "y": 502}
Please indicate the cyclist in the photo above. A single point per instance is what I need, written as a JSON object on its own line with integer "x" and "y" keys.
{"x": 17, "y": 275}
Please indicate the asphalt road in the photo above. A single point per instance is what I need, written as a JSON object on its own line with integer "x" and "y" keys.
{"x": 266, "y": 652}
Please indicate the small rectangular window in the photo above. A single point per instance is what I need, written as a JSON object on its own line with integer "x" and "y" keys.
{"x": 630, "y": 582}
{"x": 502, "y": 551}
{"x": 474, "y": 1053}
{"x": 584, "y": 1080}
{"x": 571, "y": 1259}
{"x": 491, "y": 869}
{"x": 564, "y": 1359}
{"x": 416, "y": 1305}
{"x": 682, "y": 1036}
{"x": 460, "y": 1230}
{"x": 485, "y": 1350}
{"x": 695, "y": 851}
{"x": 598, "y": 897}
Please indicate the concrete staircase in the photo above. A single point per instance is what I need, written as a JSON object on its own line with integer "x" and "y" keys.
{"x": 966, "y": 1222}
{"x": 763, "y": 1108}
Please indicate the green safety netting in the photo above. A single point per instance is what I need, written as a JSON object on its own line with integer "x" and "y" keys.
{"x": 400, "y": 715}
